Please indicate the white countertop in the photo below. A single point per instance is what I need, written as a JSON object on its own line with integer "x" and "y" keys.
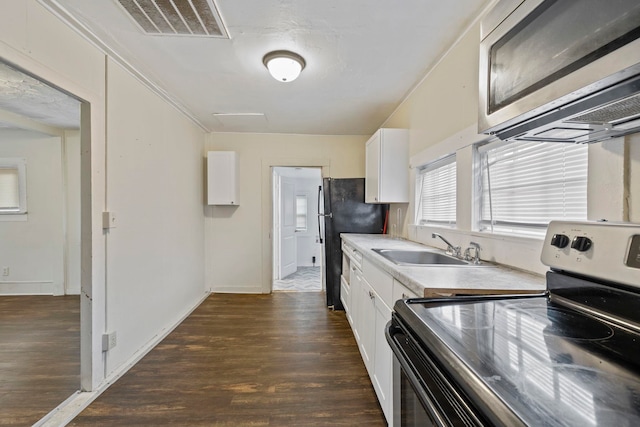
{"x": 444, "y": 280}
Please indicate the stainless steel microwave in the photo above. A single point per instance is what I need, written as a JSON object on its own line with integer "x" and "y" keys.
{"x": 560, "y": 70}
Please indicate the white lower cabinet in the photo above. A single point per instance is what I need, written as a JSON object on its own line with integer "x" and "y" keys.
{"x": 366, "y": 326}
{"x": 383, "y": 362}
{"x": 372, "y": 292}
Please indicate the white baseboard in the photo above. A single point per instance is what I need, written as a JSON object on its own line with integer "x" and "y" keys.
{"x": 236, "y": 290}
{"x": 26, "y": 288}
{"x": 77, "y": 402}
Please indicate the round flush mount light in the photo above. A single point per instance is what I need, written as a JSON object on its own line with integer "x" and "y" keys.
{"x": 283, "y": 65}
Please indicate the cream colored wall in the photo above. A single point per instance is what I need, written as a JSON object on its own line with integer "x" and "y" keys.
{"x": 445, "y": 102}
{"x": 155, "y": 254}
{"x": 238, "y": 255}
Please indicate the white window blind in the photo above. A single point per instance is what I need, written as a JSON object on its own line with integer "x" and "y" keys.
{"x": 9, "y": 189}
{"x": 13, "y": 199}
{"x": 436, "y": 192}
{"x": 527, "y": 184}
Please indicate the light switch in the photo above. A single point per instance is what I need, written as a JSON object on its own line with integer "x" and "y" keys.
{"x": 108, "y": 220}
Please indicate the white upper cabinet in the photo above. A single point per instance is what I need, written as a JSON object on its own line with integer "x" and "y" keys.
{"x": 387, "y": 167}
{"x": 222, "y": 178}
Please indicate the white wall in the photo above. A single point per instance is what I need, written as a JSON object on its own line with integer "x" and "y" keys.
{"x": 155, "y": 255}
{"x": 307, "y": 241}
{"x": 33, "y": 249}
{"x": 238, "y": 239}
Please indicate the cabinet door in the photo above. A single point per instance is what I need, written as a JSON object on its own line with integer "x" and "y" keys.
{"x": 355, "y": 280}
{"x": 367, "y": 325}
{"x": 382, "y": 360}
{"x": 222, "y": 178}
{"x": 372, "y": 169}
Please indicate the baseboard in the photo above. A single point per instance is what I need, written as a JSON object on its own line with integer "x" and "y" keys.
{"x": 76, "y": 403}
{"x": 236, "y": 290}
{"x": 26, "y": 288}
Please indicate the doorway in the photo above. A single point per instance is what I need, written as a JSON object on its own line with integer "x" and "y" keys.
{"x": 40, "y": 245}
{"x": 297, "y": 248}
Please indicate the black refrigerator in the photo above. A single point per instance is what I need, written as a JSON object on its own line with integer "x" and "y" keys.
{"x": 344, "y": 212}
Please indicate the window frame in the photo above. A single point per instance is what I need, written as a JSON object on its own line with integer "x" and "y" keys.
{"x": 304, "y": 215}
{"x": 20, "y": 164}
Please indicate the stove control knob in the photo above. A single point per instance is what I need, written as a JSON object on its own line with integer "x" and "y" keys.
{"x": 559, "y": 241}
{"x": 581, "y": 243}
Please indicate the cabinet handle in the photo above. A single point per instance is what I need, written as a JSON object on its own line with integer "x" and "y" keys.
{"x": 372, "y": 295}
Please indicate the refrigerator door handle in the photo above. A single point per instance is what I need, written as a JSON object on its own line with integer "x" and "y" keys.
{"x": 320, "y": 215}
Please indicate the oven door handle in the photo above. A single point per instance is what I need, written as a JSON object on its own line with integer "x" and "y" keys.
{"x": 410, "y": 371}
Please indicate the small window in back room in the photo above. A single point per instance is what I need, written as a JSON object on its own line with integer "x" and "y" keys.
{"x": 13, "y": 188}
{"x": 436, "y": 193}
{"x": 527, "y": 184}
{"x": 301, "y": 213}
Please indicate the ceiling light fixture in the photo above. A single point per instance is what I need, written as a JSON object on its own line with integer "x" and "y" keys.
{"x": 283, "y": 65}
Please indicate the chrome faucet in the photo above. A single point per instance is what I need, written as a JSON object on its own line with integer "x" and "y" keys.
{"x": 476, "y": 253}
{"x": 452, "y": 250}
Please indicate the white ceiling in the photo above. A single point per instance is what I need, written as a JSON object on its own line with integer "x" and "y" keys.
{"x": 363, "y": 57}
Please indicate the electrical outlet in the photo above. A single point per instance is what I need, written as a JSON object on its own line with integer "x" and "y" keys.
{"x": 5, "y": 271}
{"x": 109, "y": 340}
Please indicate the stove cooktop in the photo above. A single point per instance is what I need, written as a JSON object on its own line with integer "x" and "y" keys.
{"x": 548, "y": 364}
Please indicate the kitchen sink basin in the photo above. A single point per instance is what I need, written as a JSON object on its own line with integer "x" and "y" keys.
{"x": 418, "y": 257}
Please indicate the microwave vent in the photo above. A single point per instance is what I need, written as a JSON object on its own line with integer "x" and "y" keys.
{"x": 176, "y": 17}
{"x": 622, "y": 110}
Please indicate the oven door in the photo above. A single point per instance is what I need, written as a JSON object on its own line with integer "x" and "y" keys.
{"x": 422, "y": 394}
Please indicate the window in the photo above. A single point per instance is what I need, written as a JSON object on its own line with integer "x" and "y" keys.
{"x": 436, "y": 193}
{"x": 527, "y": 184}
{"x": 301, "y": 213}
{"x": 13, "y": 188}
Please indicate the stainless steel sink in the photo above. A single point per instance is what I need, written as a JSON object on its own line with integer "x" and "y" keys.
{"x": 418, "y": 257}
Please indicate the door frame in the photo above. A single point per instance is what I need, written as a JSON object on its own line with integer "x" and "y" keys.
{"x": 268, "y": 232}
{"x": 92, "y": 197}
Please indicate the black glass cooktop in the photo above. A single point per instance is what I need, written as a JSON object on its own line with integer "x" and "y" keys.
{"x": 548, "y": 364}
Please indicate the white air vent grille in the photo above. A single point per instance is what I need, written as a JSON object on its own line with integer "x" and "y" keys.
{"x": 176, "y": 17}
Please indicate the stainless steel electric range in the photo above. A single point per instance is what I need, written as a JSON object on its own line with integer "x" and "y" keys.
{"x": 568, "y": 357}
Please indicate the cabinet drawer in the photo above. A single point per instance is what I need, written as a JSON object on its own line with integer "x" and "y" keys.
{"x": 354, "y": 255}
{"x": 380, "y": 281}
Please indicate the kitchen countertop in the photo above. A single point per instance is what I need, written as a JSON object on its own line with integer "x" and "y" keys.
{"x": 444, "y": 280}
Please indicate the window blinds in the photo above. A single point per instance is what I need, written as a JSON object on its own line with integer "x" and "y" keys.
{"x": 9, "y": 190}
{"x": 527, "y": 184}
{"x": 437, "y": 192}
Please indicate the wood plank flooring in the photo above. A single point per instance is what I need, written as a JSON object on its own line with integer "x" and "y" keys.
{"x": 39, "y": 355}
{"x": 247, "y": 360}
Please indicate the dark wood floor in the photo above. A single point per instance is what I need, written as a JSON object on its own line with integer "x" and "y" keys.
{"x": 247, "y": 360}
{"x": 39, "y": 355}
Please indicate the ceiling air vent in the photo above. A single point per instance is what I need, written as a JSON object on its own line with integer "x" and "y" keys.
{"x": 176, "y": 17}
